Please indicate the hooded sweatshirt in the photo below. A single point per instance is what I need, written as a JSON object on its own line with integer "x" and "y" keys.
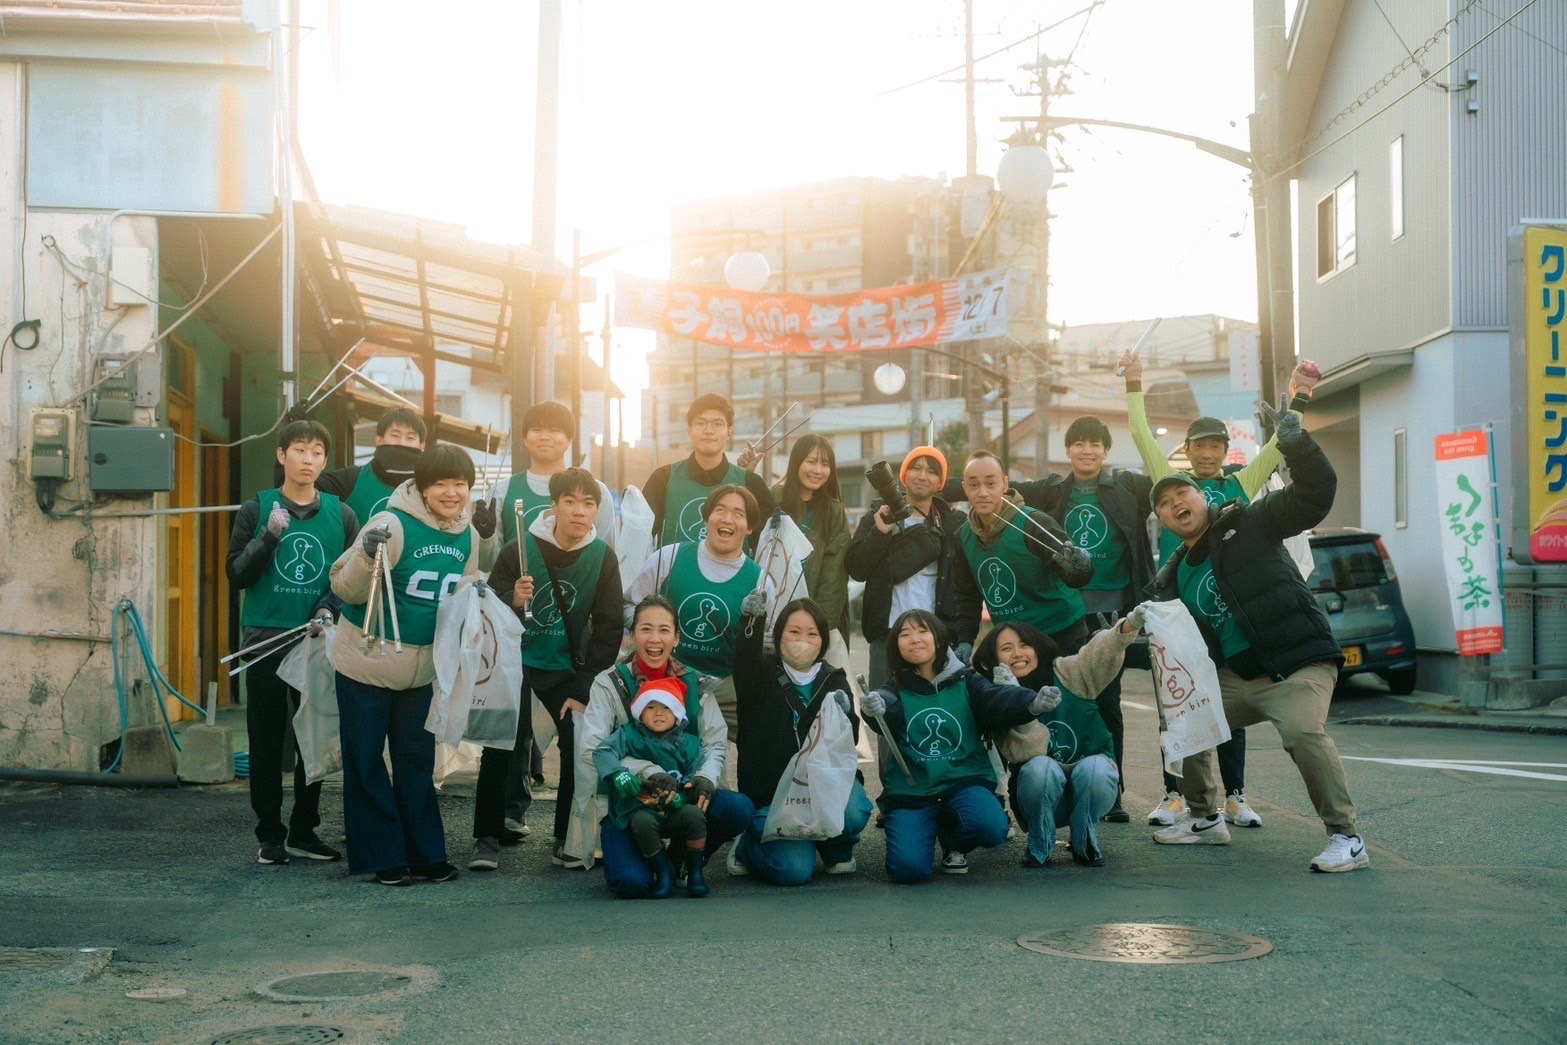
{"x": 415, "y": 665}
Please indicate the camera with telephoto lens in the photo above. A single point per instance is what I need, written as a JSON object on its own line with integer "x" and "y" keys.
{"x": 880, "y": 476}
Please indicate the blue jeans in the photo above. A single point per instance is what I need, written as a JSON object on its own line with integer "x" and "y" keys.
{"x": 790, "y": 862}
{"x": 1047, "y": 800}
{"x": 971, "y": 818}
{"x": 628, "y": 875}
{"x": 389, "y": 822}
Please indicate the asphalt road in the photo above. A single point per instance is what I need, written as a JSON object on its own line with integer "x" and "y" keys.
{"x": 1453, "y": 934}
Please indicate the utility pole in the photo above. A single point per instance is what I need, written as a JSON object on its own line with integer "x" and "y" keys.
{"x": 968, "y": 88}
{"x": 1275, "y": 287}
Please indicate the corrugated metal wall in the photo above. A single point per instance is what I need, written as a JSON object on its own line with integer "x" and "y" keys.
{"x": 1510, "y": 157}
{"x": 1396, "y": 293}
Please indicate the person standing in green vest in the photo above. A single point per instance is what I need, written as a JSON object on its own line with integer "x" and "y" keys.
{"x": 677, "y": 493}
{"x": 938, "y": 710}
{"x": 548, "y": 429}
{"x": 1016, "y": 561}
{"x": 571, "y": 587}
{"x": 1207, "y": 447}
{"x": 282, "y": 543}
{"x": 392, "y": 822}
{"x": 399, "y": 440}
{"x": 707, "y": 580}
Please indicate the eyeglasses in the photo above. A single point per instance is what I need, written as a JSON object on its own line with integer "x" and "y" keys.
{"x": 717, "y": 425}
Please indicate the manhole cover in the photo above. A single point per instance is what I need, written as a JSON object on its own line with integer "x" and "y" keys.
{"x": 282, "y": 1034}
{"x": 14, "y": 960}
{"x": 330, "y": 986}
{"x": 1135, "y": 943}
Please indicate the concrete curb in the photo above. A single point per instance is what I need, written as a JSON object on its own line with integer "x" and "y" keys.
{"x": 1534, "y": 725}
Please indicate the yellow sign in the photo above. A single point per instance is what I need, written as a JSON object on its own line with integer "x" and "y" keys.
{"x": 1352, "y": 656}
{"x": 1544, "y": 319}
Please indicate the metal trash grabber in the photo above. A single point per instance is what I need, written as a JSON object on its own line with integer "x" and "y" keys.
{"x": 892, "y": 742}
{"x": 1120, "y": 371}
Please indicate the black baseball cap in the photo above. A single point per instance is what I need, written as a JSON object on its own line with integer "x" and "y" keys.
{"x": 1173, "y": 479}
{"x": 1208, "y": 428}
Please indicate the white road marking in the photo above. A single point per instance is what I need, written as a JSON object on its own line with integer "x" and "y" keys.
{"x": 1494, "y": 769}
{"x": 1134, "y": 704}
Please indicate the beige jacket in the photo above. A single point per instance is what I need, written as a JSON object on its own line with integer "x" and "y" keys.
{"x": 415, "y": 665}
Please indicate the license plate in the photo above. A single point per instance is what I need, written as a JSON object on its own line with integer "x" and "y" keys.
{"x": 1352, "y": 656}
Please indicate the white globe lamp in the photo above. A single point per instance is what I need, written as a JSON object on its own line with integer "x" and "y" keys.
{"x": 889, "y": 379}
{"x": 1025, "y": 173}
{"x": 747, "y": 270}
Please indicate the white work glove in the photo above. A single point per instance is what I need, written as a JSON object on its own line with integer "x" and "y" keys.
{"x": 319, "y": 625}
{"x": 843, "y": 701}
{"x": 1138, "y": 617}
{"x": 277, "y": 520}
{"x": 874, "y": 704}
{"x": 1047, "y": 700}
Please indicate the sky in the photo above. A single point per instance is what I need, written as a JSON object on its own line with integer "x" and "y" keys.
{"x": 429, "y": 109}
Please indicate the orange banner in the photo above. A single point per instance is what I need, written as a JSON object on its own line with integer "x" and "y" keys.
{"x": 964, "y": 308}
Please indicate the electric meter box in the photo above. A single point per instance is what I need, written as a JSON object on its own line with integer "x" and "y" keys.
{"x": 130, "y": 460}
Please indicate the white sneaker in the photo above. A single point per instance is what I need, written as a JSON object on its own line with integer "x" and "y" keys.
{"x": 954, "y": 863}
{"x": 1169, "y": 811}
{"x": 733, "y": 865}
{"x": 1188, "y": 830}
{"x": 1237, "y": 812}
{"x": 517, "y": 826}
{"x": 1343, "y": 854}
{"x": 848, "y": 866}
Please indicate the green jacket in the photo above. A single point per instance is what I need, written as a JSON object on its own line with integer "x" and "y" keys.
{"x": 826, "y": 571}
{"x": 678, "y": 753}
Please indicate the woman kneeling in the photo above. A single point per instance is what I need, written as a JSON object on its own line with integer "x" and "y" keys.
{"x": 937, "y": 711}
{"x": 1076, "y": 783}
{"x": 780, "y": 697}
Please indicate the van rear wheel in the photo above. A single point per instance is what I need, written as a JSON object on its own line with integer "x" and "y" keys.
{"x": 1400, "y": 681}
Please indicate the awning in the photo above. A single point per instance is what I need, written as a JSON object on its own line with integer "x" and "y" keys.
{"x": 1347, "y": 375}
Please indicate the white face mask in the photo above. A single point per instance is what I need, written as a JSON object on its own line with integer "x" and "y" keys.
{"x": 799, "y": 654}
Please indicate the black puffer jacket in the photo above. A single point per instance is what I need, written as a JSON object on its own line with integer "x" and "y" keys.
{"x": 880, "y": 560}
{"x": 1258, "y": 579}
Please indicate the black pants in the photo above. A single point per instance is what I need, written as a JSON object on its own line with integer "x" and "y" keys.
{"x": 269, "y": 708}
{"x": 496, "y": 767}
{"x": 686, "y": 824}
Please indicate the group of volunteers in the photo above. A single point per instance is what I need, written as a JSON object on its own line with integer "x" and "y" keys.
{"x": 697, "y": 703}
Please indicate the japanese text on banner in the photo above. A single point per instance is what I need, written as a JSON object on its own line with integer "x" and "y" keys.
{"x": 965, "y": 308}
{"x": 1545, "y": 339}
{"x": 1471, "y": 549}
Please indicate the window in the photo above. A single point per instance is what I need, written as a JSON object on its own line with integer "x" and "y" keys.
{"x": 1400, "y": 479}
{"x": 1336, "y": 230}
{"x": 1395, "y": 186}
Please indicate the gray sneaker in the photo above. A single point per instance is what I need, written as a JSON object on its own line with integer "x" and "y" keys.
{"x": 486, "y": 854}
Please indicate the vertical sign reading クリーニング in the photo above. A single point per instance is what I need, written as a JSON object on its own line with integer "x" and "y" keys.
{"x": 1471, "y": 552}
{"x": 1537, "y": 288}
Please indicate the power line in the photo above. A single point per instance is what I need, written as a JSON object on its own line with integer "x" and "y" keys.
{"x": 1000, "y": 50}
{"x": 1454, "y": 61}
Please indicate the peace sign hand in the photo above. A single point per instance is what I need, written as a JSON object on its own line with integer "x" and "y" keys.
{"x": 1286, "y": 425}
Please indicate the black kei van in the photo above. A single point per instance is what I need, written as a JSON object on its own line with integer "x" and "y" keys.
{"x": 1356, "y": 586}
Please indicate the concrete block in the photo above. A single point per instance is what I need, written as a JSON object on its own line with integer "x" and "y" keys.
{"x": 147, "y": 751}
{"x": 208, "y": 756}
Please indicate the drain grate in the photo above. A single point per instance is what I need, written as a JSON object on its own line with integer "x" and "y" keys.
{"x": 282, "y": 1034}
{"x": 1135, "y": 943}
{"x": 18, "y": 960}
{"x": 332, "y": 986}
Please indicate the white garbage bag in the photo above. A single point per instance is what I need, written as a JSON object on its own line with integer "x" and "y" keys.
{"x": 781, "y": 550}
{"x": 814, "y": 790}
{"x": 308, "y": 670}
{"x": 634, "y": 537}
{"x": 478, "y": 669}
{"x": 1191, "y": 710}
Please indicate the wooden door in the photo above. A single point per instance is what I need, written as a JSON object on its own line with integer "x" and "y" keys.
{"x": 183, "y": 560}
{"x": 213, "y": 605}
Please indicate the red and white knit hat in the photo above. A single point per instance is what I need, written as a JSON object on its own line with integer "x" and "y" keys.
{"x": 668, "y": 692}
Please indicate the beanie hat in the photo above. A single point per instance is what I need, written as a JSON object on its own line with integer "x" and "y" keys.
{"x": 923, "y": 451}
{"x": 666, "y": 691}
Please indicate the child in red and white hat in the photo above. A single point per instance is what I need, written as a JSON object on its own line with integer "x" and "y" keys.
{"x": 643, "y": 764}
